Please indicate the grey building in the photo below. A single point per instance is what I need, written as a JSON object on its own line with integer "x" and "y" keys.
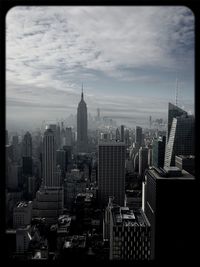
{"x": 143, "y": 159}
{"x": 128, "y": 233}
{"x": 111, "y": 172}
{"x": 61, "y": 159}
{"x": 82, "y": 126}
{"x": 122, "y": 133}
{"x": 49, "y": 201}
{"x": 138, "y": 136}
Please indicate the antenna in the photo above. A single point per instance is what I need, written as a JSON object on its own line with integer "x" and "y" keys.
{"x": 176, "y": 92}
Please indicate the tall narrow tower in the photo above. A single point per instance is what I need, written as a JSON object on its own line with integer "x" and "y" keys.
{"x": 27, "y": 145}
{"x": 82, "y": 126}
{"x": 49, "y": 160}
{"x": 27, "y": 164}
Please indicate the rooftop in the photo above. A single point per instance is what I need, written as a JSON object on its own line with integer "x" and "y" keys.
{"x": 110, "y": 143}
{"x": 23, "y": 204}
{"x": 186, "y": 156}
{"x": 126, "y": 217}
{"x": 75, "y": 242}
{"x": 171, "y": 173}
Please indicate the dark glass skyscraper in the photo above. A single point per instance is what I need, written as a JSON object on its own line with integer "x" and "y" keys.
{"x": 82, "y": 126}
{"x": 159, "y": 151}
{"x": 181, "y": 139}
{"x": 27, "y": 164}
{"x": 173, "y": 112}
{"x": 168, "y": 197}
{"x": 49, "y": 158}
{"x": 111, "y": 172}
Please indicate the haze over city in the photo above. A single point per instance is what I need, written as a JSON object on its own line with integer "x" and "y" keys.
{"x": 128, "y": 59}
{"x": 100, "y": 134}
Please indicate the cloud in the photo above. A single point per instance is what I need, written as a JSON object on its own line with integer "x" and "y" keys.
{"x": 50, "y": 51}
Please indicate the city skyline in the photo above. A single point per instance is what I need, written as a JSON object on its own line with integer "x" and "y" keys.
{"x": 128, "y": 62}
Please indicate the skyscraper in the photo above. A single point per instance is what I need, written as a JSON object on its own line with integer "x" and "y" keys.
{"x": 49, "y": 199}
{"x": 68, "y": 136}
{"x": 173, "y": 112}
{"x": 62, "y": 135}
{"x": 138, "y": 136}
{"x": 181, "y": 139}
{"x": 111, "y": 172}
{"x": 27, "y": 145}
{"x": 128, "y": 233}
{"x": 49, "y": 158}
{"x": 168, "y": 196}
{"x": 27, "y": 154}
{"x": 122, "y": 133}
{"x": 143, "y": 160}
{"x": 82, "y": 126}
{"x": 117, "y": 134}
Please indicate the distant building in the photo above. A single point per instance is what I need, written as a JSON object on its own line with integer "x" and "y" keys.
{"x": 82, "y": 126}
{"x": 32, "y": 186}
{"x": 111, "y": 172}
{"x": 128, "y": 233}
{"x": 136, "y": 162}
{"x": 27, "y": 163}
{"x": 98, "y": 114}
{"x": 68, "y": 136}
{"x": 49, "y": 158}
{"x": 143, "y": 160}
{"x": 158, "y": 152}
{"x": 117, "y": 135}
{"x": 167, "y": 196}
{"x": 127, "y": 138}
{"x": 13, "y": 176}
{"x": 150, "y": 156}
{"x": 15, "y": 145}
{"x": 27, "y": 145}
{"x": 138, "y": 136}
{"x": 68, "y": 157}
{"x": 61, "y": 159}
{"x": 22, "y": 214}
{"x": 62, "y": 135}
{"x": 122, "y": 133}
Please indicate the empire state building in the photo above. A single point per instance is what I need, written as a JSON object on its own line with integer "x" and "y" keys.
{"x": 82, "y": 126}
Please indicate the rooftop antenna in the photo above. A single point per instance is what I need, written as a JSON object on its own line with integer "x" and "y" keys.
{"x": 176, "y": 97}
{"x": 82, "y": 92}
{"x": 176, "y": 90}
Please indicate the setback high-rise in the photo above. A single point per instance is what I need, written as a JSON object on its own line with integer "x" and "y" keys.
{"x": 49, "y": 158}
{"x": 82, "y": 126}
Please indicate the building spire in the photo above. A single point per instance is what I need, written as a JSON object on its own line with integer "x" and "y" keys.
{"x": 82, "y": 92}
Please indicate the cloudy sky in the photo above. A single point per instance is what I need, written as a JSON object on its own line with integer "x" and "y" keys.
{"x": 128, "y": 59}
